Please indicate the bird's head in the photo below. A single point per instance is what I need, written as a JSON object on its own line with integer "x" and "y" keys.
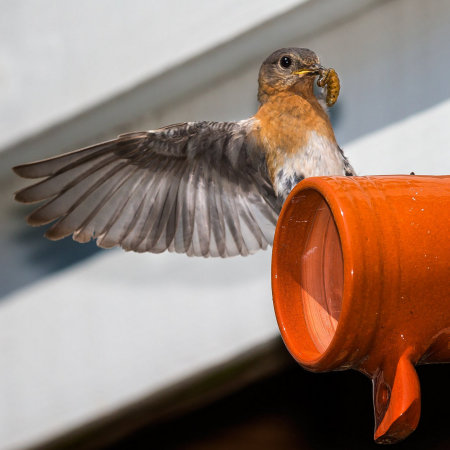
{"x": 286, "y": 68}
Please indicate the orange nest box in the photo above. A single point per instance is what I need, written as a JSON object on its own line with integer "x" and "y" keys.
{"x": 361, "y": 279}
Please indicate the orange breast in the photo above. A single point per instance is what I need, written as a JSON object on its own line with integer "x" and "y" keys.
{"x": 284, "y": 124}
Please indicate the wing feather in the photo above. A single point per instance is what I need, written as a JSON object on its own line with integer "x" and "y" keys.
{"x": 51, "y": 166}
{"x": 216, "y": 220}
{"x": 87, "y": 206}
{"x": 199, "y": 188}
{"x": 235, "y": 244}
{"x": 152, "y": 198}
{"x": 124, "y": 222}
{"x": 118, "y": 203}
{"x": 157, "y": 216}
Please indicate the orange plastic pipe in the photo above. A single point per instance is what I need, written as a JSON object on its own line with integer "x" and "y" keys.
{"x": 361, "y": 279}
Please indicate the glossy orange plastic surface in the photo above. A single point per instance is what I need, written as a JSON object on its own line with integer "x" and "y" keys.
{"x": 361, "y": 279}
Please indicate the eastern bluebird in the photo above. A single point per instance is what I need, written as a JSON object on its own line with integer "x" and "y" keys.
{"x": 201, "y": 188}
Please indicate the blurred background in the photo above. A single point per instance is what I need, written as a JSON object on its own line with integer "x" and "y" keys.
{"x": 106, "y": 349}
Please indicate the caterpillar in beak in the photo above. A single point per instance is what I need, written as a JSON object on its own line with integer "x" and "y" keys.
{"x": 330, "y": 79}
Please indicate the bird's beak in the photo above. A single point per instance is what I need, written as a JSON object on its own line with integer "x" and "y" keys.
{"x": 312, "y": 70}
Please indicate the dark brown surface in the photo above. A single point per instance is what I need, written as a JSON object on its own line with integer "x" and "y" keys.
{"x": 297, "y": 409}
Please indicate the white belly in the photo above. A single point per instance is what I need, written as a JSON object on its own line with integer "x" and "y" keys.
{"x": 319, "y": 157}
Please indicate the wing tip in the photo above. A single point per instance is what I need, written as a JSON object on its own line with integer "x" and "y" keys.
{"x": 53, "y": 237}
{"x": 20, "y": 197}
{"x": 17, "y": 169}
{"x": 36, "y": 221}
{"x": 20, "y": 169}
{"x": 25, "y": 196}
{"x": 55, "y": 233}
{"x": 26, "y": 170}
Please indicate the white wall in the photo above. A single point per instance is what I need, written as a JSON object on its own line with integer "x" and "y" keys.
{"x": 59, "y": 58}
{"x": 120, "y": 327}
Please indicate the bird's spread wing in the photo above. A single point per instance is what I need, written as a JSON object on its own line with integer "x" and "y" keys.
{"x": 199, "y": 188}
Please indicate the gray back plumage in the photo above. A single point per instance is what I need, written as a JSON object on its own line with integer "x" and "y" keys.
{"x": 199, "y": 188}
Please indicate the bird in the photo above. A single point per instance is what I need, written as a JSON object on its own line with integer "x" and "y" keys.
{"x": 211, "y": 189}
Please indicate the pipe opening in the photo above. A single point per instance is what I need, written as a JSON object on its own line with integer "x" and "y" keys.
{"x": 308, "y": 281}
{"x": 322, "y": 277}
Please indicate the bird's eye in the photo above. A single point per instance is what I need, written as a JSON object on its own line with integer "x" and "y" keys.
{"x": 285, "y": 62}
